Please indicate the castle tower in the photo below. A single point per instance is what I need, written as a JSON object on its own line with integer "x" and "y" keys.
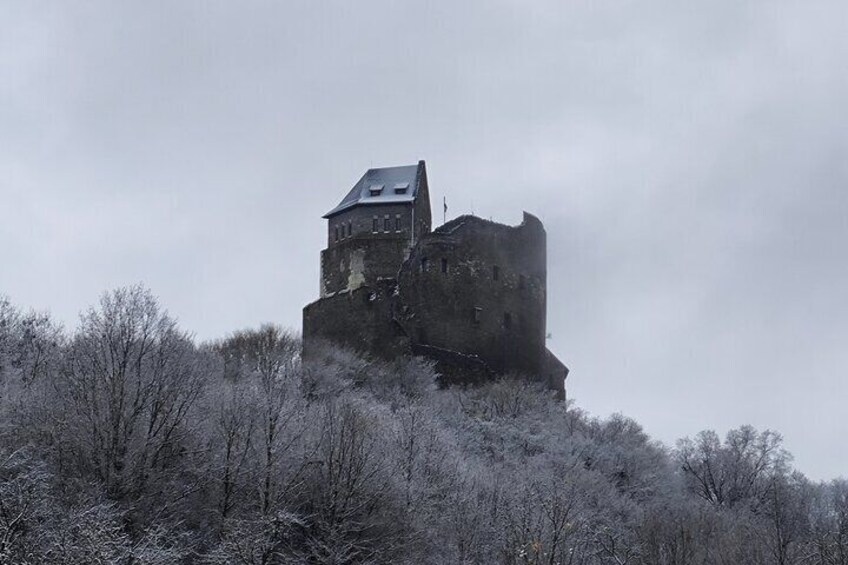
{"x": 372, "y": 230}
{"x": 476, "y": 287}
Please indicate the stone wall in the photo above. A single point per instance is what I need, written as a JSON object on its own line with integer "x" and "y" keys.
{"x": 359, "y": 222}
{"x": 555, "y": 373}
{"x": 423, "y": 219}
{"x": 478, "y": 288}
{"x": 361, "y": 319}
{"x": 366, "y": 257}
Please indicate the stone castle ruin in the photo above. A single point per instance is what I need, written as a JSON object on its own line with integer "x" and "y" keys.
{"x": 470, "y": 294}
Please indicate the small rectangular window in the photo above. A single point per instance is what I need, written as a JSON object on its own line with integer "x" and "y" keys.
{"x": 337, "y": 233}
{"x": 387, "y": 224}
{"x": 496, "y": 273}
{"x": 400, "y": 188}
{"x": 350, "y": 228}
{"x": 444, "y": 265}
{"x": 375, "y": 189}
{"x": 477, "y": 314}
{"x": 397, "y": 222}
{"x": 425, "y": 264}
{"x": 375, "y": 226}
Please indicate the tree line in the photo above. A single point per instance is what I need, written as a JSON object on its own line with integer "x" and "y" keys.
{"x": 126, "y": 442}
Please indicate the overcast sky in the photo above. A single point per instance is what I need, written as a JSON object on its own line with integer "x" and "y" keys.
{"x": 689, "y": 160}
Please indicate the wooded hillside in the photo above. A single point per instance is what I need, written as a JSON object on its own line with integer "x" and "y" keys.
{"x": 124, "y": 441}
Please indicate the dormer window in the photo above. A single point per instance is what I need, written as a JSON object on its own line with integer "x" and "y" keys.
{"x": 401, "y": 187}
{"x": 375, "y": 189}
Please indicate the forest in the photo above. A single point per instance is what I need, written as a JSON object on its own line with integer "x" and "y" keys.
{"x": 125, "y": 441}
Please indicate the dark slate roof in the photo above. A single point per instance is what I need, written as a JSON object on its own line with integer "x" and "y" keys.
{"x": 377, "y": 186}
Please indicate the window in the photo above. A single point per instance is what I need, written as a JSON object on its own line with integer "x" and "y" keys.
{"x": 425, "y": 264}
{"x": 444, "y": 265}
{"x": 477, "y": 314}
{"x": 375, "y": 189}
{"x": 387, "y": 224}
{"x": 401, "y": 187}
{"x": 337, "y": 233}
{"x": 397, "y": 222}
{"x": 375, "y": 226}
{"x": 350, "y": 228}
{"x": 496, "y": 272}
{"x": 507, "y": 320}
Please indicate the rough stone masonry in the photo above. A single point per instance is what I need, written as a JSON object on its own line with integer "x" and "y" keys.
{"x": 470, "y": 294}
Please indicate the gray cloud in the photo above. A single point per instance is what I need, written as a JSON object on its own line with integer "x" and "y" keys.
{"x": 687, "y": 158}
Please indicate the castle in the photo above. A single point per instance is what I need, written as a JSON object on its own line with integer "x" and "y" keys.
{"x": 470, "y": 294}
